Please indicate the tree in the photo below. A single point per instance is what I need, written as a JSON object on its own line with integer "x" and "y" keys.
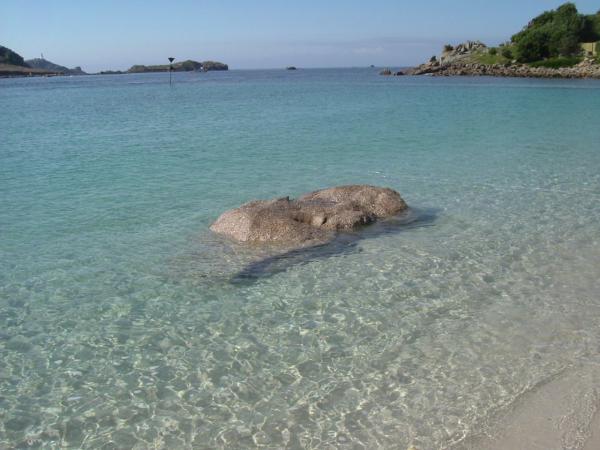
{"x": 532, "y": 46}
{"x": 551, "y": 34}
{"x": 591, "y": 28}
{"x": 568, "y": 45}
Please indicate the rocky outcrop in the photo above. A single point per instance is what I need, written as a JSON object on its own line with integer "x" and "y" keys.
{"x": 77, "y": 70}
{"x": 389, "y": 72}
{"x": 461, "y": 52}
{"x": 462, "y": 61}
{"x": 585, "y": 69}
{"x": 313, "y": 218}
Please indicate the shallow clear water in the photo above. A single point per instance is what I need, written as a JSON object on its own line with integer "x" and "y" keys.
{"x": 120, "y": 323}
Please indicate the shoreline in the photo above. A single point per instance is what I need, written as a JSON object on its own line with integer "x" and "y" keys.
{"x": 562, "y": 412}
{"x": 474, "y": 58}
{"x": 584, "y": 70}
{"x": 12, "y": 71}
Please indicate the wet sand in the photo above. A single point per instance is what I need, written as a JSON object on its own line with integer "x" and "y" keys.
{"x": 562, "y": 413}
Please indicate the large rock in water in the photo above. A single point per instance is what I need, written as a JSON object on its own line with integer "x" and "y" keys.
{"x": 311, "y": 219}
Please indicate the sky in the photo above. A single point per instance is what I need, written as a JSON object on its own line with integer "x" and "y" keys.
{"x": 115, "y": 34}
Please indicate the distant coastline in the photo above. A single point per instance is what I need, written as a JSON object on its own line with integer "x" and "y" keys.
{"x": 14, "y": 65}
{"x": 10, "y": 70}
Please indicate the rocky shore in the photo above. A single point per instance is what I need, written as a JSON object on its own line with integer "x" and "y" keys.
{"x": 585, "y": 69}
{"x": 466, "y": 60}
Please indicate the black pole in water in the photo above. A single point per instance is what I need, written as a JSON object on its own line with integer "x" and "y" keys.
{"x": 170, "y": 69}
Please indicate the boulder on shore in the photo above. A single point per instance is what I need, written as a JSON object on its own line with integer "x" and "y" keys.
{"x": 312, "y": 218}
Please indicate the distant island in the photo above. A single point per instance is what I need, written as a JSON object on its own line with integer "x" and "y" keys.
{"x": 559, "y": 43}
{"x": 14, "y": 65}
{"x": 184, "y": 66}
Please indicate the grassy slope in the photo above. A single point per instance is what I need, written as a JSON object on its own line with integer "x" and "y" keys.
{"x": 489, "y": 59}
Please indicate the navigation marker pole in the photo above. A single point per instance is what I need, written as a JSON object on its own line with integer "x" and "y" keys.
{"x": 171, "y": 70}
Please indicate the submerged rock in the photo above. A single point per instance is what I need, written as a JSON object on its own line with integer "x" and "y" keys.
{"x": 389, "y": 72}
{"x": 311, "y": 219}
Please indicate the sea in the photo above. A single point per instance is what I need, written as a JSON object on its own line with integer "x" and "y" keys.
{"x": 126, "y": 323}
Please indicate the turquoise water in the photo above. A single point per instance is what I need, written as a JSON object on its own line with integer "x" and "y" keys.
{"x": 120, "y": 325}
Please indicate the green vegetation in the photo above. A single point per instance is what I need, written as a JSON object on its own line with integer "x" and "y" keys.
{"x": 556, "y": 63}
{"x": 493, "y": 57}
{"x": 554, "y": 34}
{"x": 507, "y": 52}
{"x": 591, "y": 28}
{"x": 7, "y": 56}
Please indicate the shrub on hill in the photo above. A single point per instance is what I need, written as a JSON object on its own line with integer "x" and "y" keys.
{"x": 507, "y": 53}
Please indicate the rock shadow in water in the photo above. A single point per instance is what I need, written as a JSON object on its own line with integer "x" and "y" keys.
{"x": 343, "y": 243}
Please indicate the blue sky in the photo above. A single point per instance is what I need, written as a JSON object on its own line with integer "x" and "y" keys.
{"x": 115, "y": 34}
